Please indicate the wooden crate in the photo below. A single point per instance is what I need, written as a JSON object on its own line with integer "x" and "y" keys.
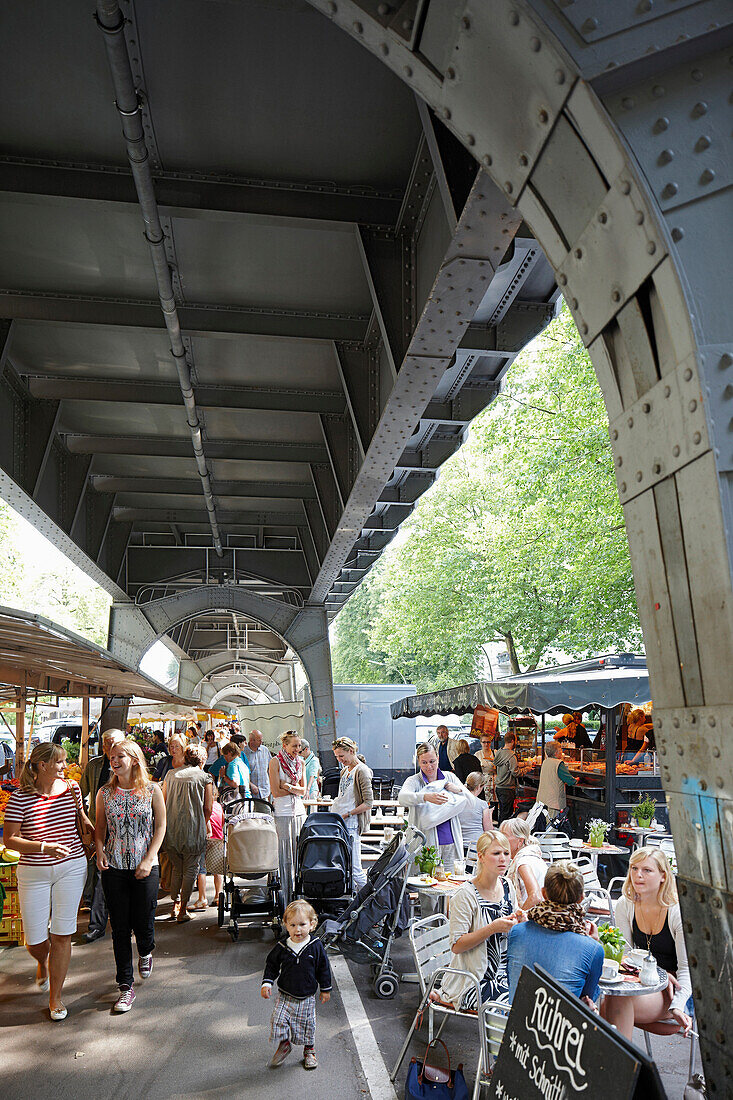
{"x": 11, "y": 931}
{"x": 8, "y": 876}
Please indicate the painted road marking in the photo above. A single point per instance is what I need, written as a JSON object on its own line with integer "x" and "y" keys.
{"x": 372, "y": 1063}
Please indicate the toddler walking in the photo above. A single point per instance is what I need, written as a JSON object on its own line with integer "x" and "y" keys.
{"x": 300, "y": 966}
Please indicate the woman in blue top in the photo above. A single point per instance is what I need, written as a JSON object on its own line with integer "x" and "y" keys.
{"x": 236, "y": 773}
{"x": 557, "y": 936}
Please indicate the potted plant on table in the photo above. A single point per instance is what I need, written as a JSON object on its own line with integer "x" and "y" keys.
{"x": 644, "y": 811}
{"x": 612, "y": 940}
{"x": 597, "y": 831}
{"x": 427, "y": 859}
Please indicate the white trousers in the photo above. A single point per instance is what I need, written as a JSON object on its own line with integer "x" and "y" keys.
{"x": 358, "y": 871}
{"x": 50, "y": 893}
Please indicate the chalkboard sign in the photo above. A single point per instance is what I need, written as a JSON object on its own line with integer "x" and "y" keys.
{"x": 554, "y": 1048}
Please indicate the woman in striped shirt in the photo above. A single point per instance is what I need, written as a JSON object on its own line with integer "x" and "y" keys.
{"x": 41, "y": 824}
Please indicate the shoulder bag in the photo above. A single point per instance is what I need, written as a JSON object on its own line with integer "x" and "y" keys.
{"x": 84, "y": 827}
{"x": 430, "y": 1082}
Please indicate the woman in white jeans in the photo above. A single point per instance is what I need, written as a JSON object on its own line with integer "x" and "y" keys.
{"x": 41, "y": 824}
{"x": 287, "y": 788}
{"x": 354, "y": 800}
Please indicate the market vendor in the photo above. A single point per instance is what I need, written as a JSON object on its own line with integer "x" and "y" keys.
{"x": 554, "y": 777}
{"x": 648, "y": 743}
{"x": 579, "y": 736}
{"x": 635, "y": 726}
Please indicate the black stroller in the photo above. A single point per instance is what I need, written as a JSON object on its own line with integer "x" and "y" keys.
{"x": 380, "y": 912}
{"x": 250, "y": 853}
{"x": 323, "y": 863}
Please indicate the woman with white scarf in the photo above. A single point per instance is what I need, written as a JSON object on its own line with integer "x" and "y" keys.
{"x": 433, "y": 805}
{"x": 287, "y": 788}
{"x": 528, "y": 869}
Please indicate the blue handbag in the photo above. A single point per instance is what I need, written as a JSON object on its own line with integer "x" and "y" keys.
{"x": 429, "y": 1082}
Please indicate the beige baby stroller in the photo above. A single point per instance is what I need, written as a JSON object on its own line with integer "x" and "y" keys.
{"x": 250, "y": 854}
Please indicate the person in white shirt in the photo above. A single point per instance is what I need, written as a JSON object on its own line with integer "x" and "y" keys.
{"x": 475, "y": 816}
{"x": 528, "y": 869}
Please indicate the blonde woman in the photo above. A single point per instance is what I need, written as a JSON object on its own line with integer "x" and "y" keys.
{"x": 482, "y": 913}
{"x": 649, "y": 916}
{"x": 434, "y": 802}
{"x": 130, "y": 829}
{"x": 354, "y": 800}
{"x": 528, "y": 869}
{"x": 41, "y": 824}
{"x": 286, "y": 773}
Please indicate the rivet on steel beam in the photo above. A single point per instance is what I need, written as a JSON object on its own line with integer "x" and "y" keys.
{"x": 523, "y": 159}
{"x": 676, "y": 451}
{"x": 708, "y": 176}
{"x": 332, "y": 7}
{"x": 623, "y": 486}
{"x": 719, "y": 781}
{"x": 651, "y": 248}
{"x": 665, "y": 156}
{"x": 584, "y": 329}
{"x": 688, "y": 374}
{"x": 625, "y": 187}
{"x": 670, "y": 191}
{"x": 466, "y": 23}
{"x": 696, "y": 75}
{"x": 616, "y": 295}
{"x": 544, "y": 117}
{"x": 384, "y": 49}
{"x": 508, "y": 187}
{"x": 614, "y": 434}
{"x": 699, "y": 109}
{"x": 627, "y": 103}
{"x": 408, "y": 71}
{"x": 680, "y": 750}
{"x": 657, "y": 469}
{"x": 446, "y": 112}
{"x": 574, "y": 303}
{"x": 450, "y": 74}
{"x": 661, "y": 125}
{"x": 693, "y": 405}
{"x": 578, "y": 253}
{"x": 559, "y": 76}
{"x": 725, "y": 361}
{"x": 639, "y": 475}
{"x": 677, "y": 234}
{"x": 535, "y": 44}
{"x": 603, "y": 217}
{"x": 590, "y": 24}
{"x": 358, "y": 28}
{"x": 514, "y": 18}
{"x": 646, "y": 407}
{"x": 676, "y": 723}
{"x": 470, "y": 140}
{"x": 696, "y": 438}
{"x": 488, "y": 159}
{"x": 657, "y": 90}
{"x": 631, "y": 421}
{"x": 562, "y": 279}
{"x": 702, "y": 143}
{"x": 667, "y": 391}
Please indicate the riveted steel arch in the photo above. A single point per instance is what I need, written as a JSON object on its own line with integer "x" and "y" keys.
{"x": 134, "y": 628}
{"x": 612, "y": 146}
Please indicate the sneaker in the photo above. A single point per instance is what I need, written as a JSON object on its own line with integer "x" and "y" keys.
{"x": 309, "y": 1058}
{"x": 145, "y": 965}
{"x": 125, "y": 1001}
{"x": 281, "y": 1053}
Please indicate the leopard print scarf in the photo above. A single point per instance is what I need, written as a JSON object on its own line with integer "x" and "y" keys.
{"x": 559, "y": 918}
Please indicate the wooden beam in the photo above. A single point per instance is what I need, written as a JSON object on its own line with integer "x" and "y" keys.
{"x": 84, "y": 747}
{"x": 20, "y": 731}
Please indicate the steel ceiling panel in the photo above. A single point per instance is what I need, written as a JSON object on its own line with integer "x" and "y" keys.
{"x": 74, "y": 248}
{"x": 226, "y": 469}
{"x": 144, "y": 466}
{"x": 121, "y": 419}
{"x": 264, "y": 264}
{"x": 266, "y": 361}
{"x": 277, "y": 115}
{"x": 195, "y": 500}
{"x": 92, "y": 350}
{"x": 46, "y": 114}
{"x": 262, "y": 424}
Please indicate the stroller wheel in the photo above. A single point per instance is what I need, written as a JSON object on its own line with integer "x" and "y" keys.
{"x": 385, "y": 986}
{"x": 234, "y": 931}
{"x": 220, "y": 909}
{"x": 279, "y": 903}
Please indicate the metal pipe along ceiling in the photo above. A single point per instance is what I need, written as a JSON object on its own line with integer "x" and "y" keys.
{"x": 112, "y": 23}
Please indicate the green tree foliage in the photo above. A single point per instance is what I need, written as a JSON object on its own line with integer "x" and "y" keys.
{"x": 521, "y": 539}
{"x": 56, "y": 589}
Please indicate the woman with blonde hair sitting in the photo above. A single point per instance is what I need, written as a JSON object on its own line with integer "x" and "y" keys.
{"x": 648, "y": 914}
{"x": 482, "y": 913}
{"x": 528, "y": 869}
{"x": 130, "y": 829}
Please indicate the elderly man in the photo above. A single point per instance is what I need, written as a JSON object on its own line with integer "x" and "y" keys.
{"x": 446, "y": 748}
{"x": 94, "y": 776}
{"x": 258, "y": 758}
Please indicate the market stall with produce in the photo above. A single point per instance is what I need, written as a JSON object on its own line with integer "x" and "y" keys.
{"x": 612, "y": 691}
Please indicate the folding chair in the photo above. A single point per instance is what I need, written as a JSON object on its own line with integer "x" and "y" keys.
{"x": 554, "y": 846}
{"x": 471, "y": 858}
{"x": 431, "y": 950}
{"x": 493, "y": 1016}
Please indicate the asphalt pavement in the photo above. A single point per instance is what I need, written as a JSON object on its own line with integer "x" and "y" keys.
{"x": 199, "y": 1027}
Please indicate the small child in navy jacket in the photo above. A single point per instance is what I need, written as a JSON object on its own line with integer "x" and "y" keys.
{"x": 300, "y": 966}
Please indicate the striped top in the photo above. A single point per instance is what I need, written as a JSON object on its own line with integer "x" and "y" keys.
{"x": 51, "y": 819}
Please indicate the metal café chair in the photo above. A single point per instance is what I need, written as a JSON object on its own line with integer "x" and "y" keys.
{"x": 431, "y": 950}
{"x": 493, "y": 1016}
{"x": 554, "y": 845}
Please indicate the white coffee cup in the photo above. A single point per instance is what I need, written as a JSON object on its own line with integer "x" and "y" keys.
{"x": 636, "y": 957}
{"x": 610, "y": 969}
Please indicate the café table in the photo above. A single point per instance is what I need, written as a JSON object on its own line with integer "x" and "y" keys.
{"x": 441, "y": 892}
{"x": 627, "y": 988}
{"x": 582, "y": 847}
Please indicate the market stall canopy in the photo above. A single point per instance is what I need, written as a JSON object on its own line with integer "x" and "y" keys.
{"x": 600, "y": 681}
{"x": 147, "y": 711}
{"x": 271, "y": 719}
{"x": 42, "y": 657}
